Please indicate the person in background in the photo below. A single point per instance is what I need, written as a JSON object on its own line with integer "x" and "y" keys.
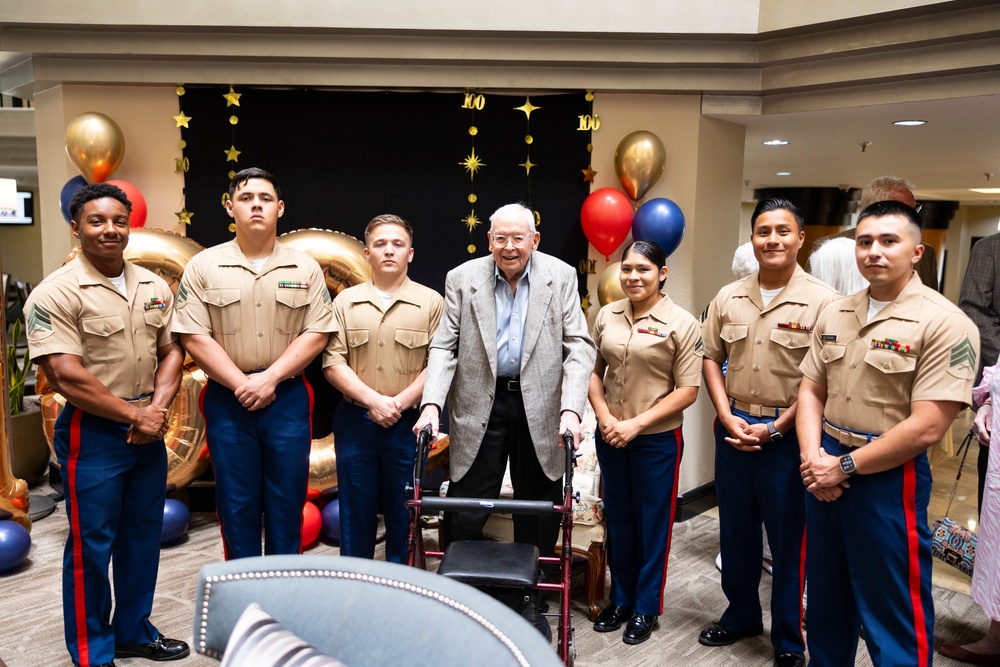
{"x": 253, "y": 313}
{"x": 377, "y": 359}
{"x": 834, "y": 263}
{"x": 99, "y": 328}
{"x": 762, "y": 325}
{"x": 647, "y": 373}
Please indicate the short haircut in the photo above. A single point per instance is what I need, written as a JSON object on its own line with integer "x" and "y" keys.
{"x": 516, "y": 209}
{"x": 388, "y": 219}
{"x": 883, "y": 188}
{"x": 880, "y": 209}
{"x": 744, "y": 261}
{"x": 777, "y": 204}
{"x": 93, "y": 191}
{"x": 651, "y": 251}
{"x": 245, "y": 175}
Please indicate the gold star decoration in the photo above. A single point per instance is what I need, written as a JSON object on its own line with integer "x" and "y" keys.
{"x": 232, "y": 98}
{"x": 589, "y": 174}
{"x": 472, "y": 163}
{"x": 527, "y": 107}
{"x": 182, "y": 120}
{"x": 184, "y": 216}
{"x": 471, "y": 221}
{"x": 232, "y": 155}
{"x": 527, "y": 164}
{"x": 585, "y": 304}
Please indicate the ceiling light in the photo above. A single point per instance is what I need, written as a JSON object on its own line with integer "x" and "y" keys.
{"x": 775, "y": 142}
{"x": 986, "y": 191}
{"x": 782, "y": 173}
{"x": 909, "y": 123}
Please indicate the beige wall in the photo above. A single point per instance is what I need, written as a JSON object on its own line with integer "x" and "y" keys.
{"x": 782, "y": 14}
{"x": 151, "y": 136}
{"x": 703, "y": 173}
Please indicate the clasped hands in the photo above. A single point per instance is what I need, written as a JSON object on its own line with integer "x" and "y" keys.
{"x": 150, "y": 424}
{"x": 822, "y": 476}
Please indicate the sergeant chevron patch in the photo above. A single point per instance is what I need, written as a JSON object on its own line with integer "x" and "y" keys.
{"x": 963, "y": 356}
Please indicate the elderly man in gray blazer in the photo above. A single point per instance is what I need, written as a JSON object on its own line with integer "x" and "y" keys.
{"x": 512, "y": 356}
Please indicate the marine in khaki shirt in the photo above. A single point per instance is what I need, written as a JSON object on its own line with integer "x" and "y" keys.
{"x": 887, "y": 372}
{"x": 377, "y": 358}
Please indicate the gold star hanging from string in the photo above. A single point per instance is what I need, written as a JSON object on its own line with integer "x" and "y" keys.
{"x": 184, "y": 216}
{"x": 589, "y": 174}
{"x": 527, "y": 107}
{"x": 232, "y": 155}
{"x": 472, "y": 163}
{"x": 471, "y": 221}
{"x": 527, "y": 164}
{"x": 585, "y": 304}
{"x": 182, "y": 120}
{"x": 232, "y": 98}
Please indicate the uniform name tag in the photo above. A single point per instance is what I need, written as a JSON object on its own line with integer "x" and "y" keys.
{"x": 890, "y": 344}
{"x": 292, "y": 284}
{"x": 828, "y": 338}
{"x": 154, "y": 304}
{"x": 798, "y": 326}
{"x": 654, "y": 331}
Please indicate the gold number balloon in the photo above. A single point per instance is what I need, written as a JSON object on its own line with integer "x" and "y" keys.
{"x": 342, "y": 257}
{"x": 639, "y": 162}
{"x": 96, "y": 145}
{"x": 609, "y": 285}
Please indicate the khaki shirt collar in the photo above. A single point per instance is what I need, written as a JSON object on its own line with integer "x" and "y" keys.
{"x": 366, "y": 293}
{"x": 659, "y": 312}
{"x": 89, "y": 275}
{"x": 232, "y": 255}
{"x": 904, "y": 307}
{"x": 794, "y": 290}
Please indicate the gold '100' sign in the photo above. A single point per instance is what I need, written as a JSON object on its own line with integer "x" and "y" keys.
{"x": 474, "y": 101}
{"x": 588, "y": 122}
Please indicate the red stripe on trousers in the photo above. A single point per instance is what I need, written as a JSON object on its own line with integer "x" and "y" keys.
{"x": 673, "y": 509}
{"x": 302, "y": 521}
{"x": 201, "y": 407}
{"x": 802, "y": 583}
{"x": 912, "y": 543}
{"x": 79, "y": 597}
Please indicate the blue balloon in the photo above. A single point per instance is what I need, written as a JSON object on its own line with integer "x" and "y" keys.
{"x": 72, "y": 186}
{"x": 15, "y": 543}
{"x": 331, "y": 520}
{"x": 175, "y": 521}
{"x": 661, "y": 221}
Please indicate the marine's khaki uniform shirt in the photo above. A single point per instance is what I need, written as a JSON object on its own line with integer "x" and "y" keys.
{"x": 385, "y": 346}
{"x": 253, "y": 316}
{"x": 76, "y": 310}
{"x": 764, "y": 345}
{"x": 643, "y": 360}
{"x": 921, "y": 347}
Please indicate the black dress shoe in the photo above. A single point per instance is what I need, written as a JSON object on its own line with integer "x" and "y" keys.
{"x": 789, "y": 660}
{"x": 159, "y": 649}
{"x": 639, "y": 628}
{"x": 716, "y": 635}
{"x": 612, "y": 618}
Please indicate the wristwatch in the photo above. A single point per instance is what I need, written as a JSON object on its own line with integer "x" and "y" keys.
{"x": 773, "y": 432}
{"x": 847, "y": 465}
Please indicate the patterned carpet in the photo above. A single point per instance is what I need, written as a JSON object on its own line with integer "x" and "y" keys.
{"x": 31, "y": 616}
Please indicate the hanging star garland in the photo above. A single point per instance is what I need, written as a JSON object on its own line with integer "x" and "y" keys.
{"x": 589, "y": 174}
{"x": 471, "y": 221}
{"x": 182, "y": 120}
{"x": 527, "y": 164}
{"x": 184, "y": 216}
{"x": 472, "y": 163}
{"x": 232, "y": 155}
{"x": 232, "y": 98}
{"x": 527, "y": 107}
{"x": 182, "y": 164}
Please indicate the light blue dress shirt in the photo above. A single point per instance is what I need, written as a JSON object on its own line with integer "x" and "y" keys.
{"x": 512, "y": 310}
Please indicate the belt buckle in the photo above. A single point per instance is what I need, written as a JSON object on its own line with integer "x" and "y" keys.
{"x": 514, "y": 385}
{"x": 756, "y": 410}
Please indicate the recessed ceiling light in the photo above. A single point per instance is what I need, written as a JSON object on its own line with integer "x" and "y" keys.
{"x": 910, "y": 123}
{"x": 782, "y": 173}
{"x": 775, "y": 142}
{"x": 986, "y": 191}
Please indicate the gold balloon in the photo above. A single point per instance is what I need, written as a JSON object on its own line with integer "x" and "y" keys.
{"x": 341, "y": 257}
{"x": 96, "y": 145}
{"x": 609, "y": 285}
{"x": 322, "y": 465}
{"x": 162, "y": 252}
{"x": 639, "y": 161}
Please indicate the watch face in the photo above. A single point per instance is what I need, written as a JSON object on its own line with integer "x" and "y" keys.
{"x": 847, "y": 464}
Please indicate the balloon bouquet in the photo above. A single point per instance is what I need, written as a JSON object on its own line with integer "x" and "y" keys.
{"x": 607, "y": 215}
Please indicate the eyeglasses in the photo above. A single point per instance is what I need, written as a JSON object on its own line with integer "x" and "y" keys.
{"x": 501, "y": 240}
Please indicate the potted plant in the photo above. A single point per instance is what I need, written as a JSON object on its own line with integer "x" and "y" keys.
{"x": 29, "y": 448}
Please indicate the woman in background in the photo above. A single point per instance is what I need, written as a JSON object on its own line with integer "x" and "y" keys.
{"x": 646, "y": 374}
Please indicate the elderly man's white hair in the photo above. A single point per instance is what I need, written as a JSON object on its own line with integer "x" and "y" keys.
{"x": 834, "y": 263}
{"x": 514, "y": 210}
{"x": 744, "y": 262}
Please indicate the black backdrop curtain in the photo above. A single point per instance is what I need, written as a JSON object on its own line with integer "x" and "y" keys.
{"x": 343, "y": 157}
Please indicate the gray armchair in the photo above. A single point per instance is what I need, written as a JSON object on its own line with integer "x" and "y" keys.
{"x": 364, "y": 612}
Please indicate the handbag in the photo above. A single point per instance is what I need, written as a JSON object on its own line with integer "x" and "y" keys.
{"x": 950, "y": 541}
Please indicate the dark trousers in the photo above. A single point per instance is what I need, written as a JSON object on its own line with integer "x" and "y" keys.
{"x": 869, "y": 565}
{"x": 507, "y": 436}
{"x": 373, "y": 464}
{"x": 114, "y": 503}
{"x": 755, "y": 487}
{"x": 261, "y": 463}
{"x": 640, "y": 503}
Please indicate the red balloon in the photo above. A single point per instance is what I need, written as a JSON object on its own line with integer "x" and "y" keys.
{"x": 138, "y": 216}
{"x": 312, "y": 521}
{"x": 606, "y": 217}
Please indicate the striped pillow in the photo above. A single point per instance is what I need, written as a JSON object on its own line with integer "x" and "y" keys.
{"x": 258, "y": 640}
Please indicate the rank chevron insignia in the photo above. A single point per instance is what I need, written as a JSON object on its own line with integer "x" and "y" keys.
{"x": 39, "y": 319}
{"x": 963, "y": 355}
{"x": 181, "y": 298}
